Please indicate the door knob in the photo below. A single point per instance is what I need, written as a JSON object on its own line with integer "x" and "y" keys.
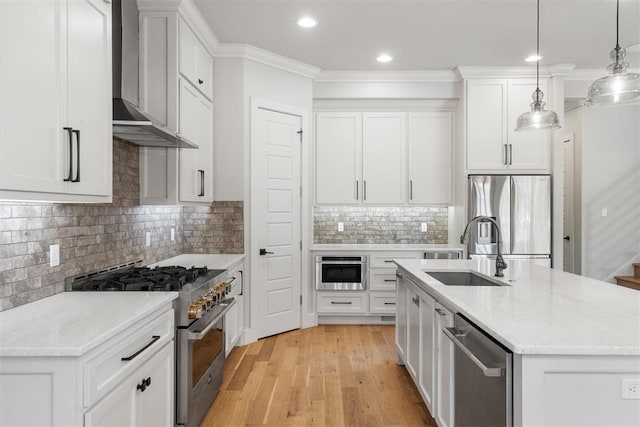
{"x": 567, "y": 238}
{"x": 264, "y": 252}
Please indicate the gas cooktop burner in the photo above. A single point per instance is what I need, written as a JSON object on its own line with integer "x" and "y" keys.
{"x": 163, "y": 279}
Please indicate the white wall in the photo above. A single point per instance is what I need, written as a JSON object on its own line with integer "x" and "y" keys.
{"x": 229, "y": 129}
{"x": 610, "y": 180}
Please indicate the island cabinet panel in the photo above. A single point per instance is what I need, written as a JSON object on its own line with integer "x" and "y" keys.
{"x": 444, "y": 368}
{"x": 412, "y": 359}
{"x": 427, "y": 360}
{"x": 401, "y": 317}
{"x": 575, "y": 390}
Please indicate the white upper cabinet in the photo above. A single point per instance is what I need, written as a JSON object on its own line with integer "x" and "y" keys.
{"x": 177, "y": 90}
{"x": 378, "y": 158}
{"x": 196, "y": 65}
{"x": 492, "y": 108}
{"x": 430, "y": 157}
{"x": 55, "y": 101}
{"x": 383, "y": 158}
{"x": 338, "y": 153}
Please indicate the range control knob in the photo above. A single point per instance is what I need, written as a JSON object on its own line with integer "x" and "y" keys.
{"x": 196, "y": 310}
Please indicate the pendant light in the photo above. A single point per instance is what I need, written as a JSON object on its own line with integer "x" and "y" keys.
{"x": 538, "y": 118}
{"x": 619, "y": 86}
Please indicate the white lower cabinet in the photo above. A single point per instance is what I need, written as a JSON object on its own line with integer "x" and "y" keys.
{"x": 127, "y": 380}
{"x": 425, "y": 351}
{"x": 136, "y": 401}
{"x": 345, "y": 302}
{"x": 233, "y": 319}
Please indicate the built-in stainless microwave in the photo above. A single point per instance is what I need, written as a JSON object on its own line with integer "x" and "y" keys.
{"x": 341, "y": 273}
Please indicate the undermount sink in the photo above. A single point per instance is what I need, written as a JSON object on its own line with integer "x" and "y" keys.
{"x": 458, "y": 278}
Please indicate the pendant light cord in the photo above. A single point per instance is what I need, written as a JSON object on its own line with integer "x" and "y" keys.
{"x": 617, "y": 24}
{"x": 538, "y": 53}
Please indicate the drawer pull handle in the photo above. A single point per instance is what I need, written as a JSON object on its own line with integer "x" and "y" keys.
{"x": 342, "y": 302}
{"x": 144, "y": 384}
{"x": 137, "y": 353}
{"x": 388, "y": 260}
{"x": 390, "y": 280}
{"x": 389, "y": 303}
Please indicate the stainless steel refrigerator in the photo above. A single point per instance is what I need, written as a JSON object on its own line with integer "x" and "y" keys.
{"x": 521, "y": 205}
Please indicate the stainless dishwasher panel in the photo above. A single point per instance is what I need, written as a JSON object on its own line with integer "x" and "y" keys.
{"x": 483, "y": 377}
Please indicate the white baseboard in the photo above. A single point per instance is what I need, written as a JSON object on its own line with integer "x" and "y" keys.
{"x": 356, "y": 320}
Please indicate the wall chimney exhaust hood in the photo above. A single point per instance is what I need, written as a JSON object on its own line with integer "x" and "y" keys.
{"x": 129, "y": 123}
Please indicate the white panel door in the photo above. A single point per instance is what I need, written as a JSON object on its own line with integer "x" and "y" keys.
{"x": 89, "y": 95}
{"x": 528, "y": 150}
{"x": 275, "y": 221}
{"x": 384, "y": 158}
{"x": 486, "y": 128}
{"x": 430, "y": 157}
{"x": 338, "y": 157}
{"x": 33, "y": 145}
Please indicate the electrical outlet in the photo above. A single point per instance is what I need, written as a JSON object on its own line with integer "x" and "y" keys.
{"x": 423, "y": 227}
{"x": 148, "y": 238}
{"x": 341, "y": 226}
{"x": 631, "y": 389}
{"x": 605, "y": 212}
{"x": 173, "y": 234}
{"x": 54, "y": 255}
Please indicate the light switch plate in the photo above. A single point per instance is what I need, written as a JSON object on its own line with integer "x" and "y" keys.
{"x": 54, "y": 255}
{"x": 148, "y": 238}
{"x": 173, "y": 234}
{"x": 423, "y": 227}
{"x": 605, "y": 212}
{"x": 341, "y": 226}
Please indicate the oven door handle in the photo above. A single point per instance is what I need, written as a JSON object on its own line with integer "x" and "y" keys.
{"x": 198, "y": 335}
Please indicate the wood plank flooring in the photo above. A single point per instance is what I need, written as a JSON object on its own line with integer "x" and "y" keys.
{"x": 330, "y": 375}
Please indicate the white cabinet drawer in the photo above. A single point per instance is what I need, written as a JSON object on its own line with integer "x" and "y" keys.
{"x": 382, "y": 302}
{"x": 342, "y": 302}
{"x": 106, "y": 368}
{"x": 382, "y": 279}
{"x": 385, "y": 259}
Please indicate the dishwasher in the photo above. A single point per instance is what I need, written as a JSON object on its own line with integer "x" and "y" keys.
{"x": 483, "y": 377}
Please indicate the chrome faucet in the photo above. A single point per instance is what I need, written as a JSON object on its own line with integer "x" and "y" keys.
{"x": 500, "y": 263}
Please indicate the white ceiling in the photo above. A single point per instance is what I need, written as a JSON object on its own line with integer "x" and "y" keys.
{"x": 427, "y": 34}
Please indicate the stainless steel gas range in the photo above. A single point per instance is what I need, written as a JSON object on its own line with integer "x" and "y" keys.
{"x": 199, "y": 311}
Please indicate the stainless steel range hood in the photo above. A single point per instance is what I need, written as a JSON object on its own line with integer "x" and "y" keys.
{"x": 129, "y": 123}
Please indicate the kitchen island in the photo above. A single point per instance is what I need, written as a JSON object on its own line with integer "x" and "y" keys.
{"x": 575, "y": 341}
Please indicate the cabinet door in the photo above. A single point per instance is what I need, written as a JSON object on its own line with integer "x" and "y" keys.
{"x": 155, "y": 406}
{"x": 426, "y": 377}
{"x": 89, "y": 95}
{"x": 338, "y": 154}
{"x": 430, "y": 158}
{"x": 33, "y": 148}
{"x": 413, "y": 331}
{"x": 196, "y": 165}
{"x": 486, "y": 117}
{"x": 401, "y": 317}
{"x": 188, "y": 45}
{"x": 205, "y": 72}
{"x": 527, "y": 150}
{"x": 233, "y": 325}
{"x": 444, "y": 403}
{"x": 384, "y": 158}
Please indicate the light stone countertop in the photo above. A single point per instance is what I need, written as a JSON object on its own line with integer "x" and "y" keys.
{"x": 73, "y": 323}
{"x": 543, "y": 310}
{"x": 211, "y": 261}
{"x": 389, "y": 248}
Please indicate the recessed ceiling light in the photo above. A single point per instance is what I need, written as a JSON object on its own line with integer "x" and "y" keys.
{"x": 307, "y": 22}
{"x": 384, "y": 58}
{"x": 533, "y": 58}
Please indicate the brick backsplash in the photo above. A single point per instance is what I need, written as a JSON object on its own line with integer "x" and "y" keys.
{"x": 95, "y": 236}
{"x": 380, "y": 225}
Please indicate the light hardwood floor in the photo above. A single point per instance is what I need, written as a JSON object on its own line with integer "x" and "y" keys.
{"x": 330, "y": 375}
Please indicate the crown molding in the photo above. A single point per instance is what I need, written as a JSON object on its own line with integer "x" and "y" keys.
{"x": 416, "y": 105}
{"x": 483, "y": 72}
{"x": 387, "y": 76}
{"x": 262, "y": 56}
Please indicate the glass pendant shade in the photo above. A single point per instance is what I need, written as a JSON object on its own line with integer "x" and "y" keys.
{"x": 616, "y": 88}
{"x": 538, "y": 118}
